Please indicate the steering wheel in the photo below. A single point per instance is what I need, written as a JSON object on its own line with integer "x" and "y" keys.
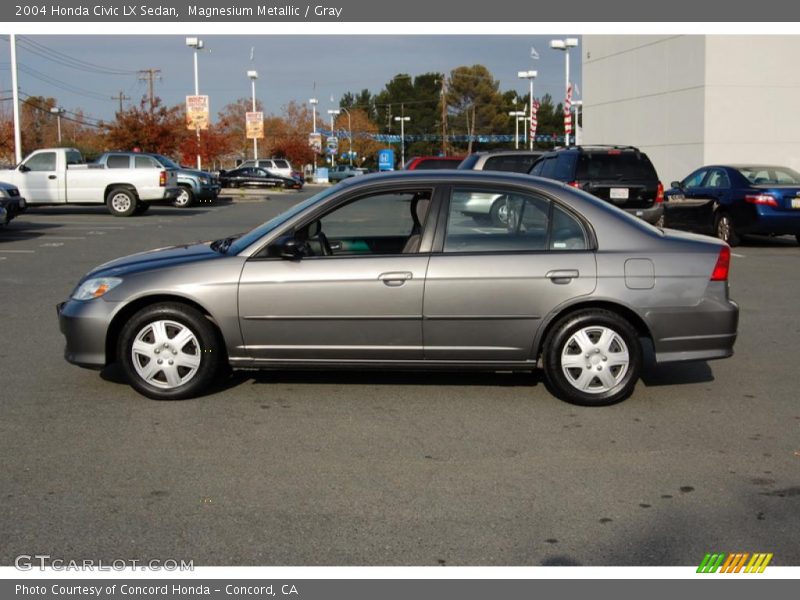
{"x": 324, "y": 244}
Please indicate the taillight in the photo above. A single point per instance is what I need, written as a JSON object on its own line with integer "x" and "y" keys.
{"x": 574, "y": 184}
{"x": 162, "y": 179}
{"x": 720, "y": 272}
{"x": 763, "y": 199}
{"x": 659, "y": 193}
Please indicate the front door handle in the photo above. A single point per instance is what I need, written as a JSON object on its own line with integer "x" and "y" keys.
{"x": 562, "y": 276}
{"x": 395, "y": 278}
{"x": 51, "y": 176}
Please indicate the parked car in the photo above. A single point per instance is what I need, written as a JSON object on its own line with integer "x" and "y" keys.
{"x": 515, "y": 161}
{"x": 433, "y": 162}
{"x": 256, "y": 177}
{"x": 571, "y": 283}
{"x": 278, "y": 166}
{"x": 730, "y": 201}
{"x": 340, "y": 172}
{"x": 621, "y": 175}
{"x": 12, "y": 202}
{"x": 194, "y": 185}
{"x": 61, "y": 176}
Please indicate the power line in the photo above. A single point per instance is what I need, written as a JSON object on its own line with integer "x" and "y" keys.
{"x": 79, "y": 121}
{"x": 68, "y": 61}
{"x": 60, "y": 84}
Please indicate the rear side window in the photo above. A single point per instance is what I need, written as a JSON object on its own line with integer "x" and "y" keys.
{"x": 615, "y": 166}
{"x": 74, "y": 158}
{"x": 145, "y": 162}
{"x": 565, "y": 167}
{"x": 118, "y": 161}
{"x": 549, "y": 167}
{"x": 515, "y": 163}
{"x": 281, "y": 164}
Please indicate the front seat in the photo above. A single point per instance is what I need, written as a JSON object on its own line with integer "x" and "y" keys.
{"x": 419, "y": 212}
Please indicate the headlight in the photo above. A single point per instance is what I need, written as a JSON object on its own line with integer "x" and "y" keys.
{"x": 204, "y": 180}
{"x": 3, "y": 193}
{"x": 94, "y": 288}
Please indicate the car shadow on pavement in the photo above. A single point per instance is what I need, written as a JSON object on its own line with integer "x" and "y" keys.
{"x": 681, "y": 373}
{"x": 20, "y": 231}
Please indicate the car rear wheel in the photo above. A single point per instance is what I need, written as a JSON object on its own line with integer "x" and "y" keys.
{"x": 592, "y": 358}
{"x": 185, "y": 198}
{"x": 724, "y": 230}
{"x": 170, "y": 351}
{"x": 499, "y": 212}
{"x": 121, "y": 202}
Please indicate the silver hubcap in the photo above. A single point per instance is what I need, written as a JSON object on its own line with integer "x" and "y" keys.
{"x": 724, "y": 229}
{"x": 595, "y": 359}
{"x": 166, "y": 354}
{"x": 183, "y": 198}
{"x": 121, "y": 202}
{"x": 502, "y": 213}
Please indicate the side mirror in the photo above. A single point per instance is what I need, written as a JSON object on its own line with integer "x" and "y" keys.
{"x": 676, "y": 185}
{"x": 291, "y": 249}
{"x": 24, "y": 169}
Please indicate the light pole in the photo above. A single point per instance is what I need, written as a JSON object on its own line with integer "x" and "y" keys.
{"x": 564, "y": 45}
{"x": 333, "y": 112}
{"x": 197, "y": 44}
{"x": 402, "y": 138}
{"x": 530, "y": 76}
{"x": 516, "y": 114}
{"x": 58, "y": 112}
{"x": 577, "y": 104}
{"x": 253, "y": 75}
{"x": 349, "y": 135}
{"x": 313, "y": 102}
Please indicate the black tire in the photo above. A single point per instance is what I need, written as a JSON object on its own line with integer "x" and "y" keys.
{"x": 209, "y": 349}
{"x": 141, "y": 208}
{"x": 499, "y": 212}
{"x": 185, "y": 199}
{"x": 724, "y": 230}
{"x": 121, "y": 202}
{"x": 560, "y": 342}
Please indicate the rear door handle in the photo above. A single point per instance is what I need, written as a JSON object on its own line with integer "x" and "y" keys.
{"x": 562, "y": 276}
{"x": 395, "y": 278}
{"x": 51, "y": 176}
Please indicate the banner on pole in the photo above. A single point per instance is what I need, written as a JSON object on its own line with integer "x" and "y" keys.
{"x": 196, "y": 112}
{"x": 254, "y": 124}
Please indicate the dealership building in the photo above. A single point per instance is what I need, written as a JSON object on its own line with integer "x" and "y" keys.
{"x": 692, "y": 100}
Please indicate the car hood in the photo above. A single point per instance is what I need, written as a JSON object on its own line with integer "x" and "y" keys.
{"x": 156, "y": 259}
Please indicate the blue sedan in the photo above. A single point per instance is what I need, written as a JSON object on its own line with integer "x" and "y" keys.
{"x": 735, "y": 200}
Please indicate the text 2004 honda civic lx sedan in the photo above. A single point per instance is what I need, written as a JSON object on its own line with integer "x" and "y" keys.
{"x": 386, "y": 271}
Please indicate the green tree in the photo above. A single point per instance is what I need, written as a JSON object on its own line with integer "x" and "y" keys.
{"x": 475, "y": 104}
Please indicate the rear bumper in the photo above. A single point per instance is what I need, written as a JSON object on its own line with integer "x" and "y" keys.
{"x": 703, "y": 332}
{"x": 85, "y": 325}
{"x": 171, "y": 193}
{"x": 768, "y": 221}
{"x": 651, "y": 215}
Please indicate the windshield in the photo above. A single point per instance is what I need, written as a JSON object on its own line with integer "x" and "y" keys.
{"x": 770, "y": 175}
{"x": 169, "y": 163}
{"x": 256, "y": 233}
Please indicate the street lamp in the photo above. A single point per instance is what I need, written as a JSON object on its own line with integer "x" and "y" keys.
{"x": 577, "y": 104}
{"x": 349, "y": 135}
{"x": 403, "y": 121}
{"x": 58, "y": 112}
{"x": 564, "y": 45}
{"x": 516, "y": 114}
{"x": 253, "y": 75}
{"x": 313, "y": 102}
{"x": 530, "y": 76}
{"x": 333, "y": 112}
{"x": 197, "y": 44}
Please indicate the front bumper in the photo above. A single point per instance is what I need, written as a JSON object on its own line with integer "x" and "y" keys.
{"x": 13, "y": 206}
{"x": 85, "y": 326}
{"x": 207, "y": 192}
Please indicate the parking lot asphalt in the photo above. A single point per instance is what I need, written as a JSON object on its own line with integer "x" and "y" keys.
{"x": 344, "y": 468}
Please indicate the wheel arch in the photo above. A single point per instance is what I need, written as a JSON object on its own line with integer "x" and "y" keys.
{"x": 127, "y": 311}
{"x": 624, "y": 311}
{"x": 121, "y": 186}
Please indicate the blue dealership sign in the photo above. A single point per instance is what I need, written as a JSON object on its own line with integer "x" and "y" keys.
{"x": 386, "y": 159}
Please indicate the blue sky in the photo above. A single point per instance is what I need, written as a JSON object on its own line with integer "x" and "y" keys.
{"x": 288, "y": 66}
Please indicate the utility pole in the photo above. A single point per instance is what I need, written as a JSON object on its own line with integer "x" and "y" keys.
{"x": 444, "y": 115}
{"x": 15, "y": 96}
{"x": 150, "y": 75}
{"x": 121, "y": 97}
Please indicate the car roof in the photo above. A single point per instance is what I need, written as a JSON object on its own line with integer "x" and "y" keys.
{"x": 444, "y": 175}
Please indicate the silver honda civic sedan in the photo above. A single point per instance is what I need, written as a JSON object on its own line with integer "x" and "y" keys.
{"x": 388, "y": 272}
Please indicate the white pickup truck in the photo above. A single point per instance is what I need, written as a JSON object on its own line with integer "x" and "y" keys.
{"x": 61, "y": 176}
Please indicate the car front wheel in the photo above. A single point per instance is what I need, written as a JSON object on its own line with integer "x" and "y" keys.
{"x": 169, "y": 351}
{"x": 592, "y": 358}
{"x": 184, "y": 199}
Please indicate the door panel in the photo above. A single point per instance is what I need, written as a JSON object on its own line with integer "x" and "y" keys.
{"x": 367, "y": 307}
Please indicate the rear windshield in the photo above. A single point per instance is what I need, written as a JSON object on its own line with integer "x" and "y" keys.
{"x": 281, "y": 164}
{"x": 770, "y": 175}
{"x": 610, "y": 166}
{"x": 438, "y": 163}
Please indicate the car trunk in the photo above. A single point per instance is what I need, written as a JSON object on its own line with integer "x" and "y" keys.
{"x": 624, "y": 178}
{"x": 787, "y": 197}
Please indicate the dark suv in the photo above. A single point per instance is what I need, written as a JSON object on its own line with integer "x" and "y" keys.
{"x": 621, "y": 175}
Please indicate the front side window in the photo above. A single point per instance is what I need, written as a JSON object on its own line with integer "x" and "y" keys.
{"x": 525, "y": 223}
{"x": 44, "y": 161}
{"x": 718, "y": 179}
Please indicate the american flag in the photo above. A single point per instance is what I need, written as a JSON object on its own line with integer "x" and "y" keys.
{"x": 568, "y": 111}
{"x": 534, "y": 120}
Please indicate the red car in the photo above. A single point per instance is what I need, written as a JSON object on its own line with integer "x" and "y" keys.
{"x": 433, "y": 162}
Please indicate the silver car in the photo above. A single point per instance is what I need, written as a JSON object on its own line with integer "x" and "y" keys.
{"x": 386, "y": 272}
